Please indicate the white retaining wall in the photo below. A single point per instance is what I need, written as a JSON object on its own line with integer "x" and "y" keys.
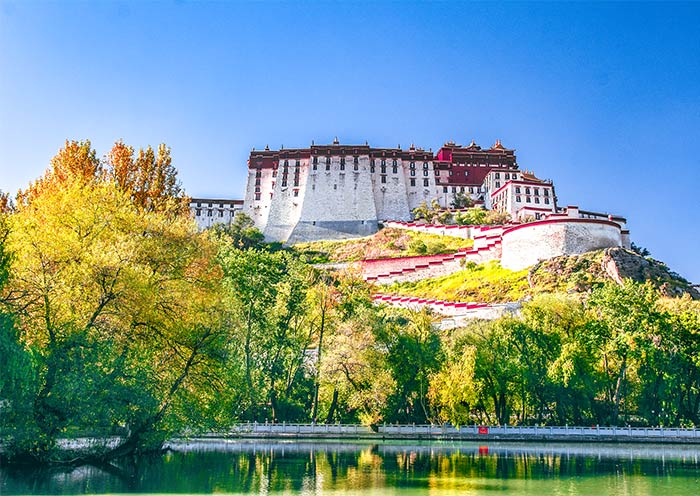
{"x": 526, "y": 244}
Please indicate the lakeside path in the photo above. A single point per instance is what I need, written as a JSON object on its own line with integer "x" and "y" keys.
{"x": 594, "y": 434}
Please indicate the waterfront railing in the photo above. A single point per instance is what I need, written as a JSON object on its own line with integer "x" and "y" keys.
{"x": 268, "y": 429}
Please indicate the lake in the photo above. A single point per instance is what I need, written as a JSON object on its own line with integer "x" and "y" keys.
{"x": 269, "y": 467}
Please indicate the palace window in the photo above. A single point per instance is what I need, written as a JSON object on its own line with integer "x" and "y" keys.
{"x": 372, "y": 163}
{"x": 527, "y": 191}
{"x": 413, "y": 183}
{"x": 257, "y": 196}
{"x": 328, "y": 166}
{"x": 221, "y": 213}
{"x": 462, "y": 189}
{"x": 274, "y": 173}
{"x": 426, "y": 182}
{"x": 394, "y": 169}
{"x": 383, "y": 162}
{"x": 498, "y": 175}
{"x": 296, "y": 192}
{"x": 355, "y": 160}
{"x": 425, "y": 165}
{"x": 394, "y": 163}
{"x": 537, "y": 191}
{"x": 257, "y": 189}
{"x": 328, "y": 160}
{"x": 546, "y": 200}
{"x": 342, "y": 166}
{"x": 383, "y": 168}
{"x": 444, "y": 189}
{"x": 297, "y": 164}
{"x": 537, "y": 200}
{"x": 507, "y": 175}
{"x": 498, "y": 184}
{"x": 315, "y": 162}
{"x": 258, "y": 173}
{"x": 437, "y": 172}
{"x": 454, "y": 189}
{"x": 199, "y": 212}
{"x": 284, "y": 183}
{"x": 383, "y": 179}
{"x": 356, "y": 167}
{"x": 413, "y": 173}
{"x": 209, "y": 212}
{"x": 342, "y": 160}
{"x": 514, "y": 176}
{"x": 517, "y": 199}
{"x": 425, "y": 172}
{"x": 527, "y": 199}
{"x": 371, "y": 168}
{"x": 471, "y": 189}
{"x": 517, "y": 189}
{"x": 546, "y": 192}
{"x": 413, "y": 165}
{"x": 296, "y": 181}
{"x": 286, "y": 163}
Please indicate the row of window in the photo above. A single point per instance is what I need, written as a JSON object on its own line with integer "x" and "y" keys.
{"x": 210, "y": 213}
{"x": 535, "y": 190}
{"x": 518, "y": 199}
{"x": 508, "y": 175}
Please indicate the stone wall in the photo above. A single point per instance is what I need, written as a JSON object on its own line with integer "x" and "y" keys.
{"x": 526, "y": 244}
{"x": 336, "y": 203}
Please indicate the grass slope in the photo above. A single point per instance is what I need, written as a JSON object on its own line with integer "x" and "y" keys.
{"x": 387, "y": 243}
{"x": 486, "y": 283}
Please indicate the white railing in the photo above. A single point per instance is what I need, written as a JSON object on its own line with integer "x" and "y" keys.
{"x": 426, "y": 430}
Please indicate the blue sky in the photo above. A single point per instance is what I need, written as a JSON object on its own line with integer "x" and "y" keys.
{"x": 602, "y": 98}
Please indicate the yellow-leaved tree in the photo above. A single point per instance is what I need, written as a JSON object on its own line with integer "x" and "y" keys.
{"x": 119, "y": 303}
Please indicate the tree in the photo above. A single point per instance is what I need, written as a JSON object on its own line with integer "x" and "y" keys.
{"x": 624, "y": 327}
{"x": 6, "y": 204}
{"x": 475, "y": 216}
{"x": 241, "y": 233}
{"x": 462, "y": 200}
{"x": 149, "y": 177}
{"x": 267, "y": 291}
{"x": 496, "y": 217}
{"x": 119, "y": 305}
{"x": 414, "y": 353}
{"x": 77, "y": 161}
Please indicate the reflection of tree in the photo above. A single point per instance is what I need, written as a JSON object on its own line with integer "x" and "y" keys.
{"x": 250, "y": 468}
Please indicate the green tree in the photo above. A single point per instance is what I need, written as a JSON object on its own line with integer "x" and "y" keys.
{"x": 118, "y": 305}
{"x": 475, "y": 216}
{"x": 241, "y": 233}
{"x": 462, "y": 200}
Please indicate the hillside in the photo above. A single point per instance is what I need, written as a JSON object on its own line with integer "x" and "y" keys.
{"x": 387, "y": 243}
{"x": 490, "y": 283}
{"x": 580, "y": 273}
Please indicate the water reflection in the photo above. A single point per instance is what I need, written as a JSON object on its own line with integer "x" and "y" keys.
{"x": 324, "y": 468}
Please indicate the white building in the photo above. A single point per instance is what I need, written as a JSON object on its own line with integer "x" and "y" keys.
{"x": 208, "y": 211}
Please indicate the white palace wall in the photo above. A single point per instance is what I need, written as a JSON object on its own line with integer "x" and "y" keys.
{"x": 527, "y": 244}
{"x": 334, "y": 204}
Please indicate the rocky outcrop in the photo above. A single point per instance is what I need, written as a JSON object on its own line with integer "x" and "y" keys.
{"x": 579, "y": 273}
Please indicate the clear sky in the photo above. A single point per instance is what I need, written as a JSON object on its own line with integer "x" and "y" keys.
{"x": 602, "y": 98}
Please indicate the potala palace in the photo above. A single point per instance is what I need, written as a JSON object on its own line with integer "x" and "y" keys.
{"x": 339, "y": 191}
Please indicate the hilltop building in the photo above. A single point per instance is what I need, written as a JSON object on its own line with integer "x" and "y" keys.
{"x": 338, "y": 191}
